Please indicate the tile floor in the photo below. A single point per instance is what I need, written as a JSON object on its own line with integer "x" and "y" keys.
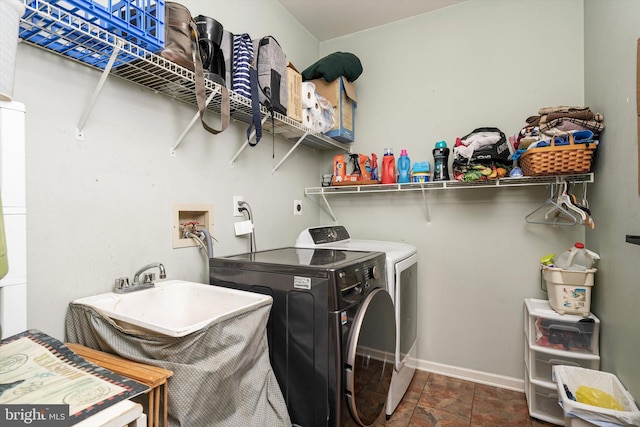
{"x": 436, "y": 400}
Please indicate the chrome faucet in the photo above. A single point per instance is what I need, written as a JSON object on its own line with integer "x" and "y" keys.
{"x": 122, "y": 284}
{"x": 149, "y": 277}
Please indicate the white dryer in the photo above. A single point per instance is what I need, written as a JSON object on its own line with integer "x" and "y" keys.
{"x": 402, "y": 283}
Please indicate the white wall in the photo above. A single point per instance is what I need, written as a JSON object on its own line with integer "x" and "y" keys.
{"x": 101, "y": 208}
{"x": 611, "y": 34}
{"x": 436, "y": 77}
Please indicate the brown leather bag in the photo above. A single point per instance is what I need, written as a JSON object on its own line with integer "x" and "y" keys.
{"x": 181, "y": 47}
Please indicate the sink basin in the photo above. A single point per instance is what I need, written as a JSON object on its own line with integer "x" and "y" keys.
{"x": 175, "y": 307}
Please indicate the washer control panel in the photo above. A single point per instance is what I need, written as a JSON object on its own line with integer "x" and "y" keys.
{"x": 355, "y": 281}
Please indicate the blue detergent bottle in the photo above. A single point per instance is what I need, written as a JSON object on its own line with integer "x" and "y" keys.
{"x": 404, "y": 165}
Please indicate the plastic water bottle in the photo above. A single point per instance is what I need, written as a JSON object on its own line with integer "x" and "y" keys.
{"x": 441, "y": 162}
{"x": 404, "y": 165}
{"x": 576, "y": 258}
{"x": 388, "y": 167}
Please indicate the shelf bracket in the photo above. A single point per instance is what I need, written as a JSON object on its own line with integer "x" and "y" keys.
{"x": 426, "y": 206}
{"x": 326, "y": 203}
{"x": 246, "y": 142}
{"x": 97, "y": 90}
{"x": 193, "y": 121}
{"x": 289, "y": 152}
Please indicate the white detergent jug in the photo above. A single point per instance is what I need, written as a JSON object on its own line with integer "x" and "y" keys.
{"x": 576, "y": 258}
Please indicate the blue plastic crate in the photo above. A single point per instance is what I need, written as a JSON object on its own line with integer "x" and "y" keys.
{"x": 57, "y": 30}
{"x": 141, "y": 22}
{"x": 76, "y": 45}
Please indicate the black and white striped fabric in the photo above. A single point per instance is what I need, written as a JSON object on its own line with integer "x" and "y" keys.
{"x": 242, "y": 59}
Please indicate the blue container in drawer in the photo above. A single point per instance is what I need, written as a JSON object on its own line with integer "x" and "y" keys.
{"x": 140, "y": 22}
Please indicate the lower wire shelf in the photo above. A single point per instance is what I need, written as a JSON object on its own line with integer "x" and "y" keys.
{"x": 524, "y": 181}
{"x": 444, "y": 185}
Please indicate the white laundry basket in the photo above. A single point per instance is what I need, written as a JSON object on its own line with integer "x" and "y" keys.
{"x": 10, "y": 13}
{"x": 578, "y": 414}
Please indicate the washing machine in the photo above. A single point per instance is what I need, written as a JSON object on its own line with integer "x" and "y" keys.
{"x": 402, "y": 284}
{"x": 331, "y": 329}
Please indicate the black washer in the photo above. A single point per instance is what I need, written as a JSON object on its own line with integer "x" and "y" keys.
{"x": 331, "y": 329}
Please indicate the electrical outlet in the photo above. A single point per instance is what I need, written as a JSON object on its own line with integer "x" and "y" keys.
{"x": 297, "y": 207}
{"x": 237, "y": 199}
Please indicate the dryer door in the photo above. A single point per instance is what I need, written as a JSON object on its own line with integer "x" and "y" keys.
{"x": 370, "y": 357}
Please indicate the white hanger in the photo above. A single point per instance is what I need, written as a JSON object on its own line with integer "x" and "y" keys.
{"x": 568, "y": 201}
{"x": 565, "y": 200}
{"x": 585, "y": 203}
{"x": 585, "y": 206}
{"x": 555, "y": 214}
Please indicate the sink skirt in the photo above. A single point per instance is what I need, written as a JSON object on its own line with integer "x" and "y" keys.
{"x": 222, "y": 374}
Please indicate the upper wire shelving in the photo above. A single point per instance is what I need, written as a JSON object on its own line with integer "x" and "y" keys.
{"x": 58, "y": 31}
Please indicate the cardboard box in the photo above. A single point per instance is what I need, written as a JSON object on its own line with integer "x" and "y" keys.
{"x": 294, "y": 85}
{"x": 342, "y": 95}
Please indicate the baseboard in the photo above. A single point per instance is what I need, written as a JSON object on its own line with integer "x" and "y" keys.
{"x": 486, "y": 378}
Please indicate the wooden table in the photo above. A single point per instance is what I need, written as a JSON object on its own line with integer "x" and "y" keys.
{"x": 153, "y": 376}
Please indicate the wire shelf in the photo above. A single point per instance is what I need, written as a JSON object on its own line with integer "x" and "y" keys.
{"x": 442, "y": 185}
{"x": 58, "y": 31}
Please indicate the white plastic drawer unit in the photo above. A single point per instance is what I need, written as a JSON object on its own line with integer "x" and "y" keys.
{"x": 540, "y": 361}
{"x": 543, "y": 401}
{"x": 547, "y": 328}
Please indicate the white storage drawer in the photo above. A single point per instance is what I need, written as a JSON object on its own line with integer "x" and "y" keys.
{"x": 541, "y": 360}
{"x": 544, "y": 327}
{"x": 542, "y": 399}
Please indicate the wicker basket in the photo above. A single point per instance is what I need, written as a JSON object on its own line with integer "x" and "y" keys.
{"x": 558, "y": 160}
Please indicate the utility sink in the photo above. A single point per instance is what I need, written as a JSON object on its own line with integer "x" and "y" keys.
{"x": 175, "y": 307}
